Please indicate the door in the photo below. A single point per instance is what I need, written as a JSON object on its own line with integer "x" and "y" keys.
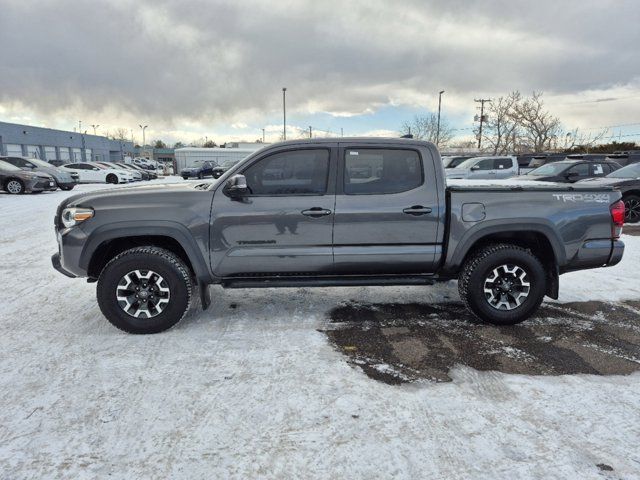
{"x": 577, "y": 172}
{"x": 504, "y": 167}
{"x": 285, "y": 222}
{"x": 483, "y": 169}
{"x": 386, "y": 215}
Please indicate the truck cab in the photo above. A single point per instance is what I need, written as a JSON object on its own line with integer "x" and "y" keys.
{"x": 483, "y": 168}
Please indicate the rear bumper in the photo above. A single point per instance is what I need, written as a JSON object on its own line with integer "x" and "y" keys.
{"x": 616, "y": 253}
{"x": 597, "y": 253}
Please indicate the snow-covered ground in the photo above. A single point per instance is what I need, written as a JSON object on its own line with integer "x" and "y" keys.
{"x": 252, "y": 389}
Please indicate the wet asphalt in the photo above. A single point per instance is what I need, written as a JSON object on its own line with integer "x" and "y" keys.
{"x": 400, "y": 343}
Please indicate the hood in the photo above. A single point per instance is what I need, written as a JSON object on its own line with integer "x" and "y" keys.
{"x": 126, "y": 196}
{"x": 56, "y": 173}
{"x": 456, "y": 172}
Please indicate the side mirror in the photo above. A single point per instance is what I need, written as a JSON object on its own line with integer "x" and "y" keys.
{"x": 571, "y": 174}
{"x": 96, "y": 169}
{"x": 237, "y": 186}
{"x": 475, "y": 167}
{"x": 31, "y": 166}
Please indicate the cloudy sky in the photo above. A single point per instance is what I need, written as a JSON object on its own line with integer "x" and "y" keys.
{"x": 195, "y": 68}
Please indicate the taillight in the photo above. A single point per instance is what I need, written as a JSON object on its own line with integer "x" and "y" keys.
{"x": 617, "y": 216}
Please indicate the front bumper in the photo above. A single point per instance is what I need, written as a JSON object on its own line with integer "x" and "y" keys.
{"x": 55, "y": 261}
{"x": 40, "y": 185}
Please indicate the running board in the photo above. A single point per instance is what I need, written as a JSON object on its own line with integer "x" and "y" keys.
{"x": 339, "y": 281}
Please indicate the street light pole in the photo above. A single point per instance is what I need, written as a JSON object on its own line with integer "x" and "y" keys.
{"x": 95, "y": 127}
{"x": 438, "y": 129}
{"x": 263, "y": 135}
{"x": 284, "y": 113}
{"x": 144, "y": 139}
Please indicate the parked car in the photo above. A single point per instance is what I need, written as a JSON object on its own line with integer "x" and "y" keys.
{"x": 14, "y": 180}
{"x": 205, "y": 169}
{"x": 64, "y": 180}
{"x": 570, "y": 171}
{"x": 454, "y": 160}
{"x": 152, "y": 174}
{"x": 89, "y": 173}
{"x": 624, "y": 159}
{"x": 56, "y": 163}
{"x": 122, "y": 172}
{"x": 220, "y": 169}
{"x": 627, "y": 180}
{"x": 136, "y": 176}
{"x": 144, "y": 174}
{"x": 479, "y": 168}
{"x": 316, "y": 225}
{"x": 145, "y": 163}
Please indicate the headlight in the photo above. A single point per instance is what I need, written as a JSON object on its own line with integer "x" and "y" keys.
{"x": 74, "y": 215}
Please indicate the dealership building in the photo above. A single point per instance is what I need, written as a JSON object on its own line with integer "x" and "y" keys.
{"x": 49, "y": 144}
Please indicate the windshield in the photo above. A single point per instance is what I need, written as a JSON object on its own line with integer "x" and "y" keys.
{"x": 454, "y": 162}
{"x": 466, "y": 164}
{"x": 40, "y": 163}
{"x": 630, "y": 171}
{"x": 7, "y": 166}
{"x": 549, "y": 170}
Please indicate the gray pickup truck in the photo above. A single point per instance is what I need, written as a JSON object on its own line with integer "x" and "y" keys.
{"x": 333, "y": 212}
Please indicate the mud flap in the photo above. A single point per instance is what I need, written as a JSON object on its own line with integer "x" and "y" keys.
{"x": 205, "y": 295}
{"x": 553, "y": 282}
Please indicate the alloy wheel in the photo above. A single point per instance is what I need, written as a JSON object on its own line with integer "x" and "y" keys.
{"x": 14, "y": 186}
{"x": 143, "y": 293}
{"x": 632, "y": 210}
{"x": 506, "y": 287}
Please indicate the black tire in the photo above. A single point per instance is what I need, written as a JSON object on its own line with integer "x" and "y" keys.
{"x": 112, "y": 178}
{"x": 480, "y": 266}
{"x": 14, "y": 186}
{"x": 200, "y": 176}
{"x": 172, "y": 269}
{"x": 631, "y": 208}
{"x": 66, "y": 189}
{"x": 185, "y": 178}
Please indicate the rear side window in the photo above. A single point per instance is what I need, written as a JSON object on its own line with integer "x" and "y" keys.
{"x": 300, "y": 172}
{"x": 381, "y": 171}
{"x": 502, "y": 163}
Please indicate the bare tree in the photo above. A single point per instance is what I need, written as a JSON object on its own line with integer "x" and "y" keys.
{"x": 501, "y": 127}
{"x": 577, "y": 140}
{"x": 425, "y": 127}
{"x": 538, "y": 127}
{"x": 121, "y": 134}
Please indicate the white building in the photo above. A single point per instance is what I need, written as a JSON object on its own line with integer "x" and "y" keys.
{"x": 192, "y": 156}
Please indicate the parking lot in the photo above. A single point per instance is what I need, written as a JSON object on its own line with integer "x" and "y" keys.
{"x": 278, "y": 383}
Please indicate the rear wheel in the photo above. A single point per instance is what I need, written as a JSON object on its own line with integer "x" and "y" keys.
{"x": 67, "y": 188}
{"x": 631, "y": 208}
{"x": 144, "y": 290}
{"x": 502, "y": 284}
{"x": 14, "y": 186}
{"x": 200, "y": 176}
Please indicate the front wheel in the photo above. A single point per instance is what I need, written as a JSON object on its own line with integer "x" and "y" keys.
{"x": 67, "y": 188}
{"x": 14, "y": 186}
{"x": 144, "y": 290}
{"x": 111, "y": 178}
{"x": 502, "y": 284}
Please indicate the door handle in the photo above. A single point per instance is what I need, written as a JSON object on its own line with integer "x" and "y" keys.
{"x": 316, "y": 212}
{"x": 417, "y": 210}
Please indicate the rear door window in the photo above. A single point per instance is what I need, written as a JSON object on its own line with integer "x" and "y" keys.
{"x": 502, "y": 163}
{"x": 369, "y": 171}
{"x": 486, "y": 164}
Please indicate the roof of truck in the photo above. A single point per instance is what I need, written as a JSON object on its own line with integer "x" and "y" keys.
{"x": 360, "y": 140}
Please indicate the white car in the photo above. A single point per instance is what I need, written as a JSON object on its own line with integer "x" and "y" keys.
{"x": 145, "y": 163}
{"x": 482, "y": 168}
{"x": 90, "y": 173}
{"x": 137, "y": 176}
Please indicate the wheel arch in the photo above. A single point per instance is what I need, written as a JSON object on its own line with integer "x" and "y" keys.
{"x": 540, "y": 239}
{"x": 107, "y": 242}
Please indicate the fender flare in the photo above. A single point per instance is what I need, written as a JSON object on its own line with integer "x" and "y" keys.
{"x": 155, "y": 228}
{"x": 472, "y": 236}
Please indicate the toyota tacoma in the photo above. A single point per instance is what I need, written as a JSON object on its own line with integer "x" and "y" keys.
{"x": 334, "y": 212}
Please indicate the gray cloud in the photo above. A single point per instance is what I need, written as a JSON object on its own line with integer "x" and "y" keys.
{"x": 217, "y": 61}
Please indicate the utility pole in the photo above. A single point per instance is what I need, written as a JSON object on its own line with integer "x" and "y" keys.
{"x": 79, "y": 126}
{"x": 438, "y": 129}
{"x": 284, "y": 113}
{"x": 95, "y": 127}
{"x": 481, "y": 101}
{"x": 341, "y": 132}
{"x": 263, "y": 135}
{"x": 310, "y": 134}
